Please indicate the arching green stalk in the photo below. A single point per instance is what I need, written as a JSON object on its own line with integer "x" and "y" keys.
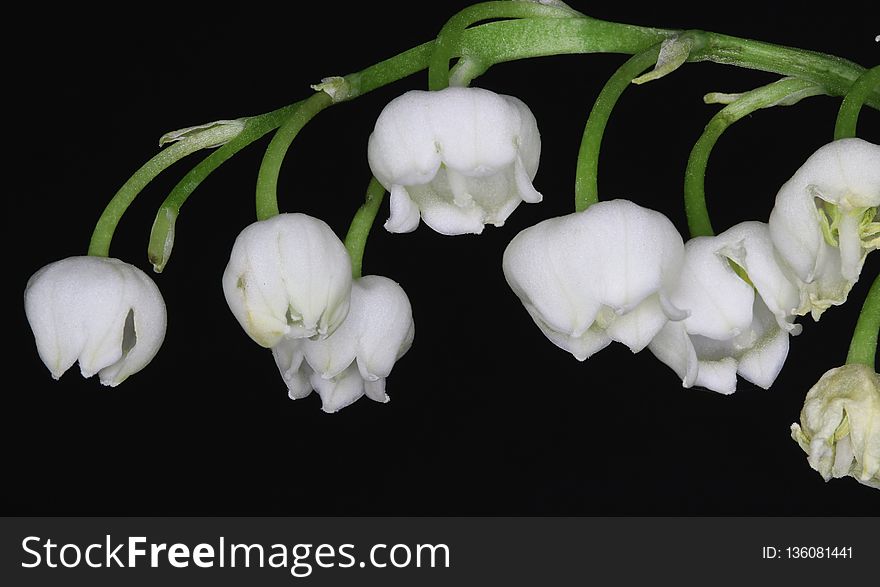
{"x": 586, "y": 185}
{"x": 270, "y": 168}
{"x": 510, "y": 40}
{"x": 449, "y": 37}
{"x": 162, "y": 233}
{"x": 848, "y": 115}
{"x": 359, "y": 230}
{"x": 106, "y": 226}
{"x": 863, "y": 347}
{"x": 783, "y": 92}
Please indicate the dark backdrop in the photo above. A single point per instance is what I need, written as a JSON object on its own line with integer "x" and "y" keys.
{"x": 486, "y": 417}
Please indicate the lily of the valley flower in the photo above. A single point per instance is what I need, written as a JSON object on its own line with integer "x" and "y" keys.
{"x": 733, "y": 326}
{"x": 595, "y": 276}
{"x": 102, "y": 312}
{"x": 840, "y": 425}
{"x": 825, "y": 221}
{"x": 459, "y": 158}
{"x": 288, "y": 276}
{"x": 357, "y": 358}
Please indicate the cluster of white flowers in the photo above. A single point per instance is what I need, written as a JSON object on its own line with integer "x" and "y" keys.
{"x": 715, "y": 307}
{"x": 460, "y": 158}
{"x": 288, "y": 282}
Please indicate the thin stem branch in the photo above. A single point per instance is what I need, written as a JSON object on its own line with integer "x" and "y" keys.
{"x": 586, "y": 185}
{"x": 359, "y": 231}
{"x": 497, "y": 42}
{"x": 106, "y": 226}
{"x": 848, "y": 115}
{"x": 833, "y": 74}
{"x": 785, "y": 91}
{"x": 270, "y": 168}
{"x": 863, "y": 347}
{"x": 162, "y": 233}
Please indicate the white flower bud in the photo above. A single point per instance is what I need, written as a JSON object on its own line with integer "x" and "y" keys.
{"x": 457, "y": 158}
{"x": 102, "y": 312}
{"x": 839, "y": 428}
{"x": 288, "y": 276}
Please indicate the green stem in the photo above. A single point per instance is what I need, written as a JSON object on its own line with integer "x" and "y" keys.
{"x": 270, "y": 168}
{"x": 106, "y": 226}
{"x": 785, "y": 91}
{"x": 510, "y": 40}
{"x": 834, "y": 74}
{"x": 359, "y": 231}
{"x": 586, "y": 185}
{"x": 863, "y": 347}
{"x": 162, "y": 233}
{"x": 848, "y": 115}
{"x": 450, "y": 35}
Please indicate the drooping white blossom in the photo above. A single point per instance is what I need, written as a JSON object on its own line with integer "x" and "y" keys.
{"x": 102, "y": 312}
{"x": 288, "y": 276}
{"x": 457, "y": 158}
{"x": 735, "y": 324}
{"x": 597, "y": 276}
{"x": 358, "y": 357}
{"x": 825, "y": 221}
{"x": 840, "y": 425}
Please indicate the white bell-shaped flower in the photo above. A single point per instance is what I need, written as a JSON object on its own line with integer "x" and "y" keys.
{"x": 735, "y": 325}
{"x": 825, "y": 221}
{"x": 102, "y": 312}
{"x": 457, "y": 158}
{"x": 839, "y": 428}
{"x": 288, "y": 276}
{"x": 595, "y": 276}
{"x": 357, "y": 358}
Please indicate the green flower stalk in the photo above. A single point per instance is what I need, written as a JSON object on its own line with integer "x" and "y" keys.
{"x": 535, "y": 30}
{"x": 784, "y": 92}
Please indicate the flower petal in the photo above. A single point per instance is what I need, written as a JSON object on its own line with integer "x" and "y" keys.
{"x": 375, "y": 390}
{"x": 404, "y": 215}
{"x": 640, "y": 325}
{"x": 340, "y": 391}
{"x": 852, "y": 255}
{"x": 541, "y": 269}
{"x": 762, "y": 363}
{"x": 441, "y": 214}
{"x": 673, "y": 347}
{"x": 385, "y": 325}
{"x": 719, "y": 301}
{"x": 524, "y": 187}
{"x": 846, "y": 172}
{"x": 628, "y": 252}
{"x": 749, "y": 245}
{"x": 288, "y": 355}
{"x": 402, "y": 149}
{"x": 143, "y": 331}
{"x": 717, "y": 375}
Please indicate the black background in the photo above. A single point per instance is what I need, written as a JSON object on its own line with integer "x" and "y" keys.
{"x": 487, "y": 417}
